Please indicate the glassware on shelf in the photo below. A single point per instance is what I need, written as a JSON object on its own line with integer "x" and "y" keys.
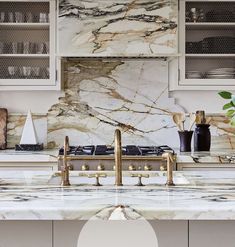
{"x": 2, "y": 17}
{"x": 12, "y": 71}
{"x": 10, "y": 17}
{"x": 35, "y": 72}
{"x": 43, "y": 17}
{"x": 47, "y": 47}
{"x": 2, "y": 45}
{"x": 19, "y": 17}
{"x": 28, "y": 47}
{"x": 40, "y": 48}
{"x": 29, "y": 18}
{"x": 25, "y": 72}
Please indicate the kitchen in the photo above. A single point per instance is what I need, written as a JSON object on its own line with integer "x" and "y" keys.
{"x": 94, "y": 97}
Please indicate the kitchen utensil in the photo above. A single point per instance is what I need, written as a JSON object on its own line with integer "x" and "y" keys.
{"x": 178, "y": 119}
{"x": 3, "y": 128}
{"x": 201, "y": 117}
{"x": 208, "y": 120}
{"x": 192, "y": 119}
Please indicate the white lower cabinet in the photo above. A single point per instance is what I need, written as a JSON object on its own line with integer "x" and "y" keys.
{"x": 26, "y": 234}
{"x": 91, "y": 233}
{"x": 212, "y": 233}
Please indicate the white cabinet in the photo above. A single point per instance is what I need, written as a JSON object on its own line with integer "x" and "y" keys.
{"x": 27, "y": 45}
{"x": 207, "y": 41}
{"x": 211, "y": 233}
{"x": 26, "y": 234}
{"x": 168, "y": 233}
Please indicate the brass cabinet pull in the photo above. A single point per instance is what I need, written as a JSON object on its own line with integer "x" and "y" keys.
{"x": 140, "y": 176}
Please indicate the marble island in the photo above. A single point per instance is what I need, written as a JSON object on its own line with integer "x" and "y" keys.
{"x": 32, "y": 196}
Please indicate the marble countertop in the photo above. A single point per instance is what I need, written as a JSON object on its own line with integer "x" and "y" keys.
{"x": 214, "y": 156}
{"x": 32, "y": 196}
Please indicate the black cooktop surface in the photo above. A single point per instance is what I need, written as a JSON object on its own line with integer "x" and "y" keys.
{"x": 131, "y": 150}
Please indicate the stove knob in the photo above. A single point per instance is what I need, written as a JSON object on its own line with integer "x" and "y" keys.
{"x": 148, "y": 168}
{"x": 85, "y": 167}
{"x": 163, "y": 168}
{"x": 132, "y": 168}
{"x": 71, "y": 167}
{"x": 100, "y": 167}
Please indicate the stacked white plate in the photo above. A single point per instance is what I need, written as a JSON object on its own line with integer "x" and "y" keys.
{"x": 221, "y": 73}
{"x": 194, "y": 74}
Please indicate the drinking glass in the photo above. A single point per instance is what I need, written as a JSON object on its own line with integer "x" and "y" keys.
{"x": 19, "y": 18}
{"x": 1, "y": 47}
{"x": 29, "y": 17}
{"x": 10, "y": 17}
{"x": 36, "y": 72}
{"x": 40, "y": 48}
{"x": 2, "y": 16}
{"x": 14, "y": 47}
{"x": 12, "y": 71}
{"x": 47, "y": 47}
{"x": 43, "y": 17}
{"x": 28, "y": 47}
{"x": 26, "y": 71}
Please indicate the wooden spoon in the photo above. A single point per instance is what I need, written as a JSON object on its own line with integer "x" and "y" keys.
{"x": 182, "y": 120}
{"x": 178, "y": 120}
{"x": 192, "y": 119}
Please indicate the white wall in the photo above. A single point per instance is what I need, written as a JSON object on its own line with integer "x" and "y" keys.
{"x": 20, "y": 102}
{"x": 209, "y": 101}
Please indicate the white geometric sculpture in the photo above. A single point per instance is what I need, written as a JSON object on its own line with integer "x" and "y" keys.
{"x": 29, "y": 135}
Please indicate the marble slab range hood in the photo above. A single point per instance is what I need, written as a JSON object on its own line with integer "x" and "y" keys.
{"x": 117, "y": 28}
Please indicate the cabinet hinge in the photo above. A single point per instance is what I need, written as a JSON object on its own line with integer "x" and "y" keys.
{"x": 178, "y": 4}
{"x": 56, "y": 75}
{"x": 178, "y": 74}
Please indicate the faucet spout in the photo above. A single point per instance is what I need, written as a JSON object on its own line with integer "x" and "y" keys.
{"x": 118, "y": 157}
{"x": 65, "y": 167}
{"x": 170, "y": 161}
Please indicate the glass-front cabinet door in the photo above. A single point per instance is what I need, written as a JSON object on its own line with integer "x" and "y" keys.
{"x": 207, "y": 44}
{"x": 27, "y": 44}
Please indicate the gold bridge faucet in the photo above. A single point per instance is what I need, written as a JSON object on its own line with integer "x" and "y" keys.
{"x": 118, "y": 157}
{"x": 65, "y": 167}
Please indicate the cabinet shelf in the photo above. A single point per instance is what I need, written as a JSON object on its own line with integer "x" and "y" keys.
{"x": 206, "y": 55}
{"x": 25, "y": 55}
{"x": 209, "y": 25}
{"x": 20, "y": 26}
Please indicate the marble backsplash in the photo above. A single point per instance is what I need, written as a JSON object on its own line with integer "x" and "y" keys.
{"x": 101, "y": 95}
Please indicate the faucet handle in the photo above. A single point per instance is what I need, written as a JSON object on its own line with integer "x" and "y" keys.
{"x": 97, "y": 176}
{"x": 140, "y": 176}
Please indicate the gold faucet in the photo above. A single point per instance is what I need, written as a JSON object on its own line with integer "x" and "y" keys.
{"x": 65, "y": 167}
{"x": 118, "y": 157}
{"x": 170, "y": 161}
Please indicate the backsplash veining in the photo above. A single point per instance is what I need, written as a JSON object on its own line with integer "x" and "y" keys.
{"x": 101, "y": 95}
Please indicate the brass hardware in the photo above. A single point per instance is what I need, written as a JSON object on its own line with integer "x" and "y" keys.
{"x": 65, "y": 167}
{"x": 140, "y": 176}
{"x": 147, "y": 167}
{"x": 139, "y": 168}
{"x": 100, "y": 167}
{"x": 162, "y": 168}
{"x": 132, "y": 168}
{"x": 170, "y": 161}
{"x": 71, "y": 167}
{"x": 97, "y": 176}
{"x": 85, "y": 167}
{"x": 118, "y": 157}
